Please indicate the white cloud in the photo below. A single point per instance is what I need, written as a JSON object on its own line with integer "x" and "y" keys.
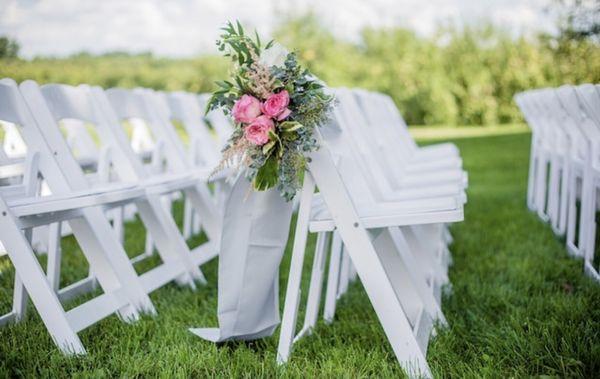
{"x": 188, "y": 27}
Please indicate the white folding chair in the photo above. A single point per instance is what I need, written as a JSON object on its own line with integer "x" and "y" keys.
{"x": 82, "y": 207}
{"x": 574, "y": 106}
{"x": 202, "y": 148}
{"x": 427, "y": 241}
{"x": 365, "y": 233}
{"x": 81, "y": 104}
{"x": 589, "y": 98}
{"x": 395, "y": 140}
{"x": 139, "y": 105}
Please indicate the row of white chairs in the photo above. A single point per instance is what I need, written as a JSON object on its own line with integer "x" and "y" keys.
{"x": 564, "y": 170}
{"x": 382, "y": 201}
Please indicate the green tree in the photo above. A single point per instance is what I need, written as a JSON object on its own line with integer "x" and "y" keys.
{"x": 8, "y": 48}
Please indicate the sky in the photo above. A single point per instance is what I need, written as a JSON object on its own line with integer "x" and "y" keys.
{"x": 180, "y": 28}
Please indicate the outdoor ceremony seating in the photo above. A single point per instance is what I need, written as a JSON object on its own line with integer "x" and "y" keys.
{"x": 383, "y": 218}
{"x": 564, "y": 176}
{"x": 381, "y": 211}
{"x": 128, "y": 166}
{"x": 82, "y": 206}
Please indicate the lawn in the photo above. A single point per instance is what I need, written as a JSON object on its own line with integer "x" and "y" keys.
{"x": 518, "y": 306}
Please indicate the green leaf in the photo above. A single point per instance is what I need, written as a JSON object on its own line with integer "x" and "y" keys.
{"x": 268, "y": 146}
{"x": 290, "y": 126}
{"x": 257, "y": 38}
{"x": 240, "y": 29}
{"x": 266, "y": 176}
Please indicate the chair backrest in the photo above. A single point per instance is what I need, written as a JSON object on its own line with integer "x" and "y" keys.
{"x": 185, "y": 108}
{"x": 13, "y": 145}
{"x": 140, "y": 105}
{"x": 14, "y": 110}
{"x": 77, "y": 105}
{"x": 589, "y": 97}
{"x": 220, "y": 123}
{"x": 364, "y": 184}
{"x": 373, "y": 165}
{"x": 572, "y": 105}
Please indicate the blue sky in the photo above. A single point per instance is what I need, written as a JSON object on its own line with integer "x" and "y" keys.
{"x": 188, "y": 27}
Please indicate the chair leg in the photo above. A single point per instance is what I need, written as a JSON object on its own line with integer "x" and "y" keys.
{"x": 590, "y": 245}
{"x": 344, "y": 273}
{"x": 406, "y": 267}
{"x": 187, "y": 219}
{"x": 531, "y": 180}
{"x": 333, "y": 278}
{"x": 118, "y": 224}
{"x": 353, "y": 275}
{"x": 586, "y": 217}
{"x": 316, "y": 283}
{"x": 167, "y": 237}
{"x": 292, "y": 295}
{"x": 572, "y": 215}
{"x": 20, "y": 296}
{"x": 554, "y": 191}
{"x": 109, "y": 261}
{"x": 564, "y": 198}
{"x": 427, "y": 256}
{"x": 542, "y": 187}
{"x": 54, "y": 255}
{"x": 28, "y": 270}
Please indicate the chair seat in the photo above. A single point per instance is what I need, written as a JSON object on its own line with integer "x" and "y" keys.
{"x": 439, "y": 150}
{"x": 76, "y": 200}
{"x": 458, "y": 177}
{"x": 424, "y": 165}
{"x": 381, "y": 215}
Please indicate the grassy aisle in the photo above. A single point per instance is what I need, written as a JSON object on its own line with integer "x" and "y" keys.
{"x": 519, "y": 306}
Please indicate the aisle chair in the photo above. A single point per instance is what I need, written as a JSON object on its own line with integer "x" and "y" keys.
{"x": 82, "y": 208}
{"x": 426, "y": 240}
{"x": 178, "y": 262}
{"x": 584, "y": 121}
{"x": 589, "y": 97}
{"x": 137, "y": 104}
{"x": 365, "y": 234}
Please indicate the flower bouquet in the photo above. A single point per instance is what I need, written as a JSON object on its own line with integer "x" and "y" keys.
{"x": 276, "y": 106}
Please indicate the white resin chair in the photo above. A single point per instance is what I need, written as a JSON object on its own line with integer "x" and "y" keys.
{"x": 589, "y": 98}
{"x": 563, "y": 173}
{"x": 428, "y": 242}
{"x": 82, "y": 208}
{"x": 84, "y": 104}
{"x": 367, "y": 234}
{"x": 201, "y": 148}
{"x": 394, "y": 138}
{"x": 582, "y": 110}
{"x": 142, "y": 106}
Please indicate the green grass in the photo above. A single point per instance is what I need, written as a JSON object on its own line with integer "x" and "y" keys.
{"x": 519, "y": 306}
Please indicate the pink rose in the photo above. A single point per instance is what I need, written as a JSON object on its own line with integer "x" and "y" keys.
{"x": 246, "y": 109}
{"x": 276, "y": 105}
{"x": 258, "y": 131}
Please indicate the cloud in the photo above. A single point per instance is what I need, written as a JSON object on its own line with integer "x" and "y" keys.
{"x": 188, "y": 27}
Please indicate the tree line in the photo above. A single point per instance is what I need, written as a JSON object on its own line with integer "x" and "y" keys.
{"x": 458, "y": 76}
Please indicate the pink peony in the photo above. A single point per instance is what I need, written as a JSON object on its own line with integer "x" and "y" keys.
{"x": 246, "y": 109}
{"x": 258, "y": 131}
{"x": 276, "y": 105}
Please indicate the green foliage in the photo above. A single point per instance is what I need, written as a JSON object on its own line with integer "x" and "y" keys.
{"x": 121, "y": 70}
{"x": 279, "y": 160}
{"x": 458, "y": 76}
{"x": 8, "y": 48}
{"x": 520, "y": 306}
